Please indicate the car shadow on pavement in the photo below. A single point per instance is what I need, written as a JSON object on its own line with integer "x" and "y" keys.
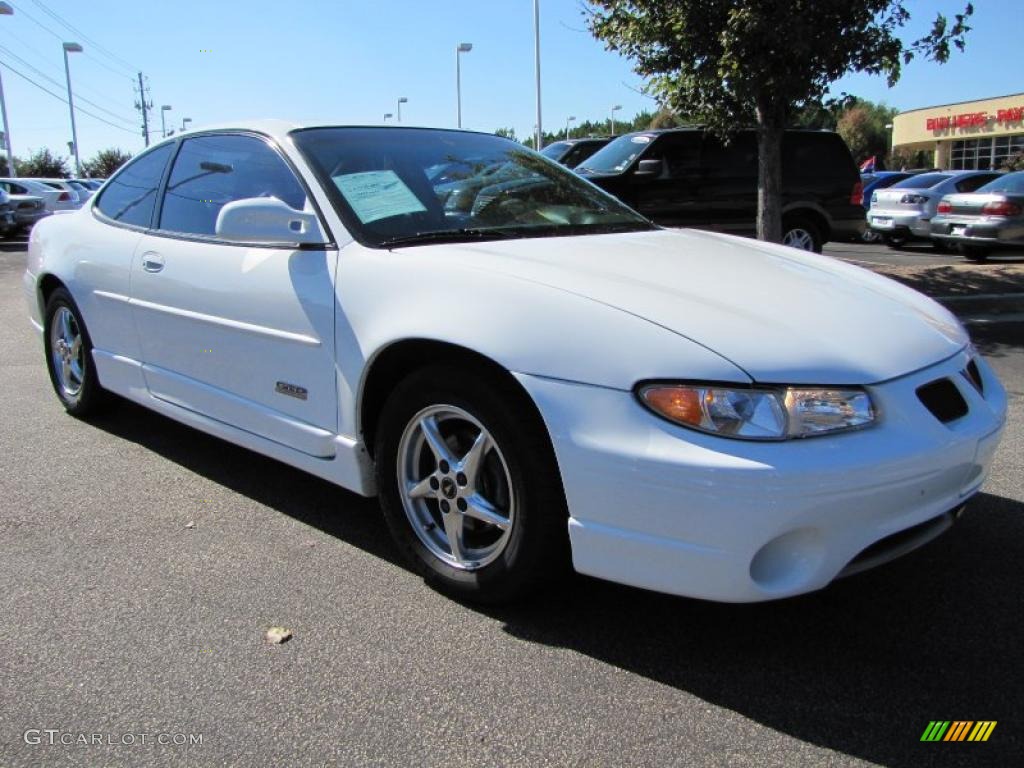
{"x": 860, "y": 667}
{"x": 308, "y": 499}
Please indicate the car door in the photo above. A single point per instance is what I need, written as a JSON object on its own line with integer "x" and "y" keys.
{"x": 239, "y": 332}
{"x": 730, "y": 168}
{"x": 674, "y": 196}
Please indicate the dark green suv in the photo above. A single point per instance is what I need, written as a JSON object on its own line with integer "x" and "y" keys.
{"x": 688, "y": 177}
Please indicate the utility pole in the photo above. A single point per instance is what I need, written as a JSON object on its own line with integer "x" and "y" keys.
{"x": 539, "y": 133}
{"x": 144, "y": 106}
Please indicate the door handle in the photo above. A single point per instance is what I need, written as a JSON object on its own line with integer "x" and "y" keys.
{"x": 152, "y": 262}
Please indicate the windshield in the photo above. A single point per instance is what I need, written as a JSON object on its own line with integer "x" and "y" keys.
{"x": 556, "y": 150}
{"x": 396, "y": 185}
{"x": 1011, "y": 182}
{"x": 923, "y": 181}
{"x": 616, "y": 156}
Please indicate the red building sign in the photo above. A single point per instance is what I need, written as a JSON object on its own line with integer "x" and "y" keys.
{"x": 975, "y": 119}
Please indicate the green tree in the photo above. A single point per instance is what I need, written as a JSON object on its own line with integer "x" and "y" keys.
{"x": 863, "y": 127}
{"x": 105, "y": 162}
{"x": 508, "y": 133}
{"x": 44, "y": 164}
{"x": 1014, "y": 162}
{"x": 758, "y": 62}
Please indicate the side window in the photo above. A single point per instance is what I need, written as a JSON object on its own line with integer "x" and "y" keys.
{"x": 131, "y": 194}
{"x": 972, "y": 183}
{"x": 733, "y": 157}
{"x": 211, "y": 171}
{"x": 681, "y": 153}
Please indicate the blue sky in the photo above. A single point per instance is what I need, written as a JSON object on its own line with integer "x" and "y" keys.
{"x": 348, "y": 62}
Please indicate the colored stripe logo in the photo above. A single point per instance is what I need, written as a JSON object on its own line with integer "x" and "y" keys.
{"x": 958, "y": 730}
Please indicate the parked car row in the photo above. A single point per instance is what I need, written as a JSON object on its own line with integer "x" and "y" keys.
{"x": 24, "y": 201}
{"x": 972, "y": 211}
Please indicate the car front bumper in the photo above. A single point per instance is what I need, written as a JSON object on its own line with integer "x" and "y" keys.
{"x": 661, "y": 507}
{"x": 992, "y": 231}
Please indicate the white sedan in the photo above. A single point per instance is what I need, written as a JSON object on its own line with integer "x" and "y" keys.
{"x": 525, "y": 371}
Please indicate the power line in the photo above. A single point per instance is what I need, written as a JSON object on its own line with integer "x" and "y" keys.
{"x": 34, "y": 20}
{"x": 49, "y": 79}
{"x": 96, "y": 92}
{"x": 62, "y": 99}
{"x": 80, "y": 33}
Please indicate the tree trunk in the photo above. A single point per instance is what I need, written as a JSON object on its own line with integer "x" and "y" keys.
{"x": 771, "y": 128}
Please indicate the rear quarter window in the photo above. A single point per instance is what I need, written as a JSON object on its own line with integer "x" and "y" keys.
{"x": 808, "y": 154}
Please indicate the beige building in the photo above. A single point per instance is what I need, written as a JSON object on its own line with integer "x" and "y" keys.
{"x": 965, "y": 135}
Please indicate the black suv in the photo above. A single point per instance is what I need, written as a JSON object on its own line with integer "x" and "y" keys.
{"x": 687, "y": 177}
{"x": 572, "y": 152}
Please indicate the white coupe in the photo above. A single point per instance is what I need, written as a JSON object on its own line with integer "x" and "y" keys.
{"x": 525, "y": 371}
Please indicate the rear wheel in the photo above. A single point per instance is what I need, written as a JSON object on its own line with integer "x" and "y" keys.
{"x": 69, "y": 356}
{"x": 801, "y": 233}
{"x": 894, "y": 241}
{"x": 469, "y": 487}
{"x": 974, "y": 252}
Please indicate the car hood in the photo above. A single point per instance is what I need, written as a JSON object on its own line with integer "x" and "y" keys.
{"x": 781, "y": 315}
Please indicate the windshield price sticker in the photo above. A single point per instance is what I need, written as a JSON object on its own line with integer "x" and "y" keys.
{"x": 377, "y": 195}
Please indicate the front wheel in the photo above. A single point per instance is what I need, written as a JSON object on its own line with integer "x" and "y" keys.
{"x": 469, "y": 485}
{"x": 69, "y": 357}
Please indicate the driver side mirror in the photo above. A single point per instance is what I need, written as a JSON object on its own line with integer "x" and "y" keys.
{"x": 267, "y": 220}
{"x": 648, "y": 168}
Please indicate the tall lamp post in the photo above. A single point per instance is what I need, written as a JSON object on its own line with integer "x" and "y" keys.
{"x": 387, "y": 115}
{"x": 401, "y": 100}
{"x": 615, "y": 109}
{"x": 6, "y": 10}
{"x": 567, "y": 121}
{"x": 72, "y": 48}
{"x": 459, "y": 50}
{"x": 539, "y": 135}
{"x": 163, "y": 120}
{"x": 184, "y": 123}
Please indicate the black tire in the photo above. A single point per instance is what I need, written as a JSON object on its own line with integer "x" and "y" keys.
{"x": 90, "y": 398}
{"x": 536, "y": 548}
{"x": 895, "y": 242}
{"x": 800, "y": 229}
{"x": 976, "y": 253}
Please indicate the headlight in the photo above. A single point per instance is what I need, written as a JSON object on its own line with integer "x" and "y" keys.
{"x": 777, "y": 413}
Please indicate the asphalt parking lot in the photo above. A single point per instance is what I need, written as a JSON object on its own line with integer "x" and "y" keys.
{"x": 142, "y": 563}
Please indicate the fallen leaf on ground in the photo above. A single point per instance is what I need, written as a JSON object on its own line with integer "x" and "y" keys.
{"x": 278, "y": 635}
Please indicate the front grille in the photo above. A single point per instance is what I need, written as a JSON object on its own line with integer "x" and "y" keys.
{"x": 974, "y": 376}
{"x": 943, "y": 399}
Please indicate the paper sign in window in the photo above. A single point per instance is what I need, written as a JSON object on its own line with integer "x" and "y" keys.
{"x": 377, "y": 195}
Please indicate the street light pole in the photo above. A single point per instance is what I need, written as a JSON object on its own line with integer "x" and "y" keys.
{"x": 615, "y": 109}
{"x": 401, "y": 100}
{"x": 72, "y": 48}
{"x": 163, "y": 120}
{"x": 184, "y": 122}
{"x": 539, "y": 136}
{"x": 567, "y": 121}
{"x": 459, "y": 50}
{"x": 6, "y": 10}
{"x": 387, "y": 115}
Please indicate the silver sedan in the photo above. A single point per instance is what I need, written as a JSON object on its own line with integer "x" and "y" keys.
{"x": 904, "y": 211}
{"x": 992, "y": 217}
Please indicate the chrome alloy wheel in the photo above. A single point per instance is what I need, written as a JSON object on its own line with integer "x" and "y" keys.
{"x": 798, "y": 237}
{"x": 66, "y": 349}
{"x": 455, "y": 486}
